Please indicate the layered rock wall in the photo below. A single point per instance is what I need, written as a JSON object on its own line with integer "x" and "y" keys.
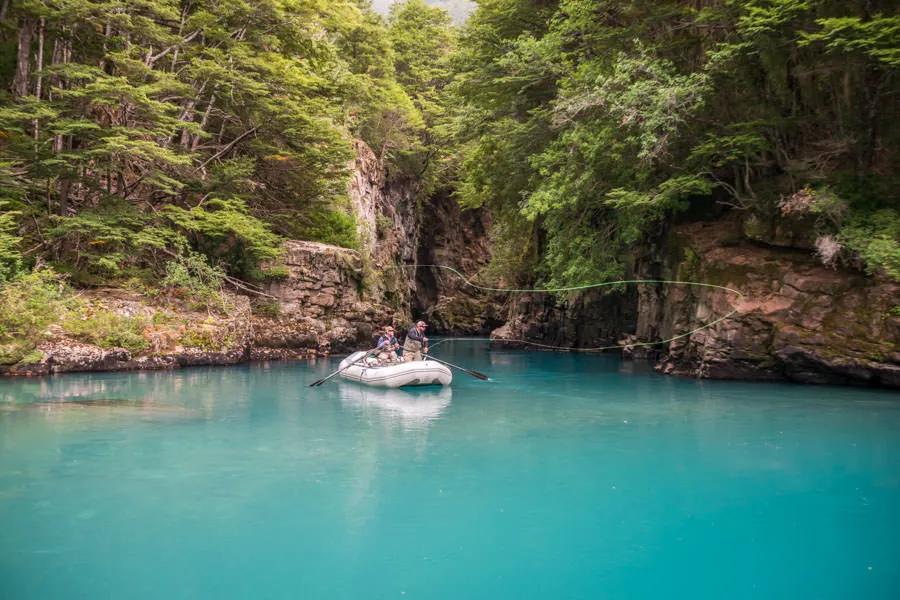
{"x": 325, "y": 303}
{"x": 797, "y": 320}
{"x": 589, "y": 320}
{"x": 457, "y": 238}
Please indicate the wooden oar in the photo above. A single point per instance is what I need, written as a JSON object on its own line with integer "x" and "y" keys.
{"x": 324, "y": 379}
{"x": 471, "y": 372}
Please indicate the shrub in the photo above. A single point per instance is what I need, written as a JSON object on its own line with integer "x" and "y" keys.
{"x": 108, "y": 329}
{"x": 327, "y": 225}
{"x": 191, "y": 274}
{"x": 265, "y": 307}
{"x": 202, "y": 338}
{"x": 10, "y": 257}
{"x": 875, "y": 238}
{"x": 28, "y": 306}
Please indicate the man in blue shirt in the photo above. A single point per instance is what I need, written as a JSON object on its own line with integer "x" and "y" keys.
{"x": 388, "y": 345}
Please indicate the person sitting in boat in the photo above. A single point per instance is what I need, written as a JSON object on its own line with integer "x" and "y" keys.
{"x": 416, "y": 343}
{"x": 388, "y": 345}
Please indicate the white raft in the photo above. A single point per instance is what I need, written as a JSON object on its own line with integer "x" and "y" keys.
{"x": 417, "y": 372}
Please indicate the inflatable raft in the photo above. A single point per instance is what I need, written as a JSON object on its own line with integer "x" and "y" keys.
{"x": 417, "y": 372}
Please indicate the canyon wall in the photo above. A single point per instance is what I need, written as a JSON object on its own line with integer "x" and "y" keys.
{"x": 334, "y": 299}
{"x": 797, "y": 320}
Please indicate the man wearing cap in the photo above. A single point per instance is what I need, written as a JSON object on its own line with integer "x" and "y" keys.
{"x": 388, "y": 345}
{"x": 416, "y": 343}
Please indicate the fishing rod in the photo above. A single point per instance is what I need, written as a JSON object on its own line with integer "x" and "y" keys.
{"x": 584, "y": 287}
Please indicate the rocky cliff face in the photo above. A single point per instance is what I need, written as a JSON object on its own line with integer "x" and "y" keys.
{"x": 327, "y": 302}
{"x": 333, "y": 299}
{"x": 452, "y": 237}
{"x": 798, "y": 320}
{"x": 589, "y": 320}
{"x": 387, "y": 211}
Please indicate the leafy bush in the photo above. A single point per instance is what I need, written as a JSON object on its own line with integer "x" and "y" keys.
{"x": 202, "y": 338}
{"x": 108, "y": 329}
{"x": 110, "y": 241}
{"x": 224, "y": 229}
{"x": 875, "y": 238}
{"x": 265, "y": 307}
{"x": 28, "y": 306}
{"x": 10, "y": 257}
{"x": 193, "y": 276}
{"x": 327, "y": 225}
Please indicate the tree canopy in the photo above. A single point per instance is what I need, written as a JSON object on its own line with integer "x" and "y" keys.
{"x": 586, "y": 125}
{"x": 137, "y": 134}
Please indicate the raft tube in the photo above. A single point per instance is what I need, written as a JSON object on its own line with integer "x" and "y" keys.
{"x": 417, "y": 372}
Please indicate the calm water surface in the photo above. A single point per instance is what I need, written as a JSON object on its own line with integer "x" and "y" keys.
{"x": 563, "y": 477}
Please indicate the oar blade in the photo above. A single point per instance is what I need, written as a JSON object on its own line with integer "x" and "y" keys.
{"x": 324, "y": 379}
{"x": 478, "y": 375}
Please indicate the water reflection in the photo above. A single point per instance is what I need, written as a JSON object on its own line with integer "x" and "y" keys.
{"x": 414, "y": 409}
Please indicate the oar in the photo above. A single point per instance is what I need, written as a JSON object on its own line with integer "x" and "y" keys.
{"x": 475, "y": 374}
{"x": 324, "y": 379}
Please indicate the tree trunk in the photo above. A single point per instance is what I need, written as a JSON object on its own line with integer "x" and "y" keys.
{"x": 39, "y": 74}
{"x": 4, "y": 8}
{"x": 23, "y": 61}
{"x": 64, "y": 187}
{"x": 203, "y": 122}
{"x": 187, "y": 116}
{"x": 874, "y": 84}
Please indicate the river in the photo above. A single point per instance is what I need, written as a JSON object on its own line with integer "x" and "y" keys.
{"x": 565, "y": 476}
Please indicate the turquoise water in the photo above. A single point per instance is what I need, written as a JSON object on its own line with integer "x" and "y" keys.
{"x": 564, "y": 477}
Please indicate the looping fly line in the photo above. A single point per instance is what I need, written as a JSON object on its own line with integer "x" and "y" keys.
{"x": 589, "y": 286}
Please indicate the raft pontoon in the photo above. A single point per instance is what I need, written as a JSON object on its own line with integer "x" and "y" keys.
{"x": 417, "y": 372}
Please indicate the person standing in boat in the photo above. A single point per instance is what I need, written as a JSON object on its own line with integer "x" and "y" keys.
{"x": 416, "y": 343}
{"x": 388, "y": 345}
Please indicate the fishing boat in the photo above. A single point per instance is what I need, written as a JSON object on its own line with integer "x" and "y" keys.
{"x": 417, "y": 372}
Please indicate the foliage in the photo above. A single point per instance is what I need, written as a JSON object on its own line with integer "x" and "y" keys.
{"x": 192, "y": 277}
{"x": 138, "y": 131}
{"x": 327, "y": 225}
{"x": 176, "y": 143}
{"x": 28, "y": 306}
{"x": 200, "y": 337}
{"x": 10, "y": 256}
{"x": 224, "y": 229}
{"x": 875, "y": 237}
{"x": 599, "y": 121}
{"x": 107, "y": 329}
{"x": 424, "y": 43}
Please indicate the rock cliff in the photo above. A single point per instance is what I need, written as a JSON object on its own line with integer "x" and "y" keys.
{"x": 452, "y": 237}
{"x": 332, "y": 299}
{"x": 798, "y": 320}
{"x": 326, "y": 302}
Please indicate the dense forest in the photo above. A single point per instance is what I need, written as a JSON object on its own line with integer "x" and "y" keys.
{"x": 172, "y": 145}
{"x": 589, "y": 124}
